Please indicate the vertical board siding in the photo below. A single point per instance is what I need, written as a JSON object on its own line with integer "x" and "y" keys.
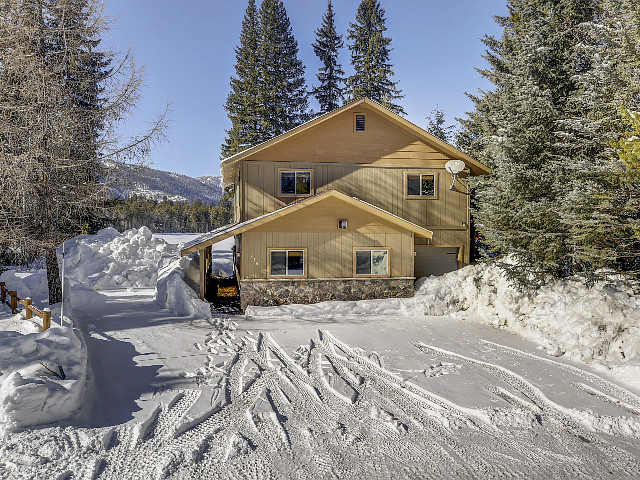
{"x": 329, "y": 255}
{"x": 381, "y": 186}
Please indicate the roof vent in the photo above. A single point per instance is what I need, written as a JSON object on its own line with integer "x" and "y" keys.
{"x": 360, "y": 123}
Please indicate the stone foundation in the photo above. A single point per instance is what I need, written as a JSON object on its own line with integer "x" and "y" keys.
{"x": 269, "y": 293}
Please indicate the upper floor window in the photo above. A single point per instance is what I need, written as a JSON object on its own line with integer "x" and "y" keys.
{"x": 421, "y": 185}
{"x": 360, "y": 119}
{"x": 295, "y": 182}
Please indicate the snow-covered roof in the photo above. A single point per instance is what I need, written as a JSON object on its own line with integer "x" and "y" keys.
{"x": 230, "y": 230}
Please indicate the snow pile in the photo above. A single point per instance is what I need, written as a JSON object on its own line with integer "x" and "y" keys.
{"x": 173, "y": 293}
{"x": 31, "y": 284}
{"x": 108, "y": 259}
{"x": 600, "y": 324}
{"x": 29, "y": 394}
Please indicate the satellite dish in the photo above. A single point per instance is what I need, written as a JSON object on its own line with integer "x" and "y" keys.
{"x": 454, "y": 167}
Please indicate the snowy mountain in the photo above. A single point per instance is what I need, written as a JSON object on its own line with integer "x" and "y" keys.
{"x": 156, "y": 184}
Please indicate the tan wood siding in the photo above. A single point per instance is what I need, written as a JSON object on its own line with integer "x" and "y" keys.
{"x": 380, "y": 186}
{"x": 329, "y": 255}
{"x": 382, "y": 141}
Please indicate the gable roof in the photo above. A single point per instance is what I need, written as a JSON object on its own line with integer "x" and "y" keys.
{"x": 227, "y": 231}
{"x": 229, "y": 164}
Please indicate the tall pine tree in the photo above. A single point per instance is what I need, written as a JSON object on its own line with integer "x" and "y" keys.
{"x": 330, "y": 92}
{"x": 520, "y": 206}
{"x": 243, "y": 102}
{"x": 283, "y": 91}
{"x": 370, "y": 52}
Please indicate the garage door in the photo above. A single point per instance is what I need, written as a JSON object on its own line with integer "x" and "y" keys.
{"x": 435, "y": 260}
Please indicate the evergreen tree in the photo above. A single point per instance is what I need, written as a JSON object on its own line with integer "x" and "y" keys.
{"x": 370, "y": 52}
{"x": 283, "y": 92}
{"x": 603, "y": 207}
{"x": 243, "y": 101}
{"x": 436, "y": 125}
{"x": 519, "y": 207}
{"x": 330, "y": 92}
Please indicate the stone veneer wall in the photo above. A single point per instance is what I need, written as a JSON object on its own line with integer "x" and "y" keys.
{"x": 280, "y": 292}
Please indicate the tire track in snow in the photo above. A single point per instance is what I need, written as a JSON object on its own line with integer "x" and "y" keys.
{"x": 276, "y": 417}
{"x": 568, "y": 419}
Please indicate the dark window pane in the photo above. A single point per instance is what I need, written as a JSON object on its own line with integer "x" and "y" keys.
{"x": 303, "y": 183}
{"x": 413, "y": 184}
{"x": 278, "y": 262}
{"x": 360, "y": 123}
{"x": 288, "y": 183}
{"x": 296, "y": 262}
{"x": 379, "y": 262}
{"x": 363, "y": 262}
{"x": 428, "y": 185}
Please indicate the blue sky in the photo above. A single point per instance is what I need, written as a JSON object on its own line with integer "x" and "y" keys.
{"x": 187, "y": 48}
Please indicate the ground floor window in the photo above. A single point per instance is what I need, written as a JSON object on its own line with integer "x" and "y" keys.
{"x": 285, "y": 263}
{"x": 372, "y": 262}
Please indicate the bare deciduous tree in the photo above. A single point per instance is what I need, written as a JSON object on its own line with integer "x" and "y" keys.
{"x": 62, "y": 102}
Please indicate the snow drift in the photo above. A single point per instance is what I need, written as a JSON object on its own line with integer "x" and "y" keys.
{"x": 29, "y": 394}
{"x": 173, "y": 293}
{"x": 600, "y": 323}
{"x": 109, "y": 259}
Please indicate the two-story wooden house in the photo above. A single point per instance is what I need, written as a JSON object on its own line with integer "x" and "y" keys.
{"x": 353, "y": 204}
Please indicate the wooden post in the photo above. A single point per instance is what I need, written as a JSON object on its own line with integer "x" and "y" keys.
{"x": 27, "y": 306}
{"x": 203, "y": 273}
{"x": 46, "y": 319}
{"x": 14, "y": 302}
{"x": 3, "y": 292}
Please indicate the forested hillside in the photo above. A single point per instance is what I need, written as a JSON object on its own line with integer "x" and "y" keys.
{"x": 158, "y": 184}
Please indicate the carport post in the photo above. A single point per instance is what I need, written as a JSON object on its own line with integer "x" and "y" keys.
{"x": 203, "y": 273}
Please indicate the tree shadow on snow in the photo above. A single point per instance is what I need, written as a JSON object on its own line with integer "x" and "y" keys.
{"x": 115, "y": 382}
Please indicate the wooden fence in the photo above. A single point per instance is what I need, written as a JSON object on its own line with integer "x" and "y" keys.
{"x": 13, "y": 302}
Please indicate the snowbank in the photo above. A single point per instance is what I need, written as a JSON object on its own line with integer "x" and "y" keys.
{"x": 601, "y": 323}
{"x": 108, "y": 259}
{"x": 27, "y": 283}
{"x": 29, "y": 395}
{"x": 173, "y": 293}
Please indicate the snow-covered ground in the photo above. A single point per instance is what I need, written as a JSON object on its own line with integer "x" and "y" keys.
{"x": 386, "y": 388}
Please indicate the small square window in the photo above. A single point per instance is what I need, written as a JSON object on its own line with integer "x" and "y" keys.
{"x": 342, "y": 224}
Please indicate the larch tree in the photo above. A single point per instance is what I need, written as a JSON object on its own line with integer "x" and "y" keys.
{"x": 330, "y": 91}
{"x": 370, "y": 58}
{"x": 519, "y": 207}
{"x": 243, "y": 102}
{"x": 283, "y": 90}
{"x": 60, "y": 109}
